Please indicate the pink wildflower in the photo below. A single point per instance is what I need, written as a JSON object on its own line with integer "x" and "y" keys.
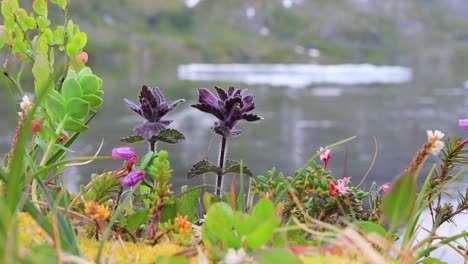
{"x": 124, "y": 153}
{"x": 133, "y": 178}
{"x": 325, "y": 156}
{"x": 342, "y": 186}
{"x": 385, "y": 188}
{"x": 463, "y": 123}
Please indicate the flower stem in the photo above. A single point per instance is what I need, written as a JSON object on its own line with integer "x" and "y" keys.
{"x": 222, "y": 153}
{"x": 47, "y": 153}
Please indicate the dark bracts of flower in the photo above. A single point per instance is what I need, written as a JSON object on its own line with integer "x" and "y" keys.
{"x": 152, "y": 107}
{"x": 232, "y": 106}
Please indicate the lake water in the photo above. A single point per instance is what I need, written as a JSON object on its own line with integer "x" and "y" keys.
{"x": 298, "y": 121}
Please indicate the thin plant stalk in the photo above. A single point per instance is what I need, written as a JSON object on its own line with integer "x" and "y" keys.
{"x": 222, "y": 159}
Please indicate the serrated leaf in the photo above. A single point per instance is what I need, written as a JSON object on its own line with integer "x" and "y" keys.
{"x": 202, "y": 167}
{"x": 55, "y": 109}
{"x": 74, "y": 125}
{"x": 89, "y": 83}
{"x": 77, "y": 108}
{"x": 132, "y": 139}
{"x": 233, "y": 166}
{"x": 93, "y": 100}
{"x": 168, "y": 135}
{"x": 71, "y": 88}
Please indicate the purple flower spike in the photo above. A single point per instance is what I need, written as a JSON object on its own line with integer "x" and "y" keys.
{"x": 152, "y": 107}
{"x": 124, "y": 153}
{"x": 133, "y": 178}
{"x": 463, "y": 123}
{"x": 231, "y": 106}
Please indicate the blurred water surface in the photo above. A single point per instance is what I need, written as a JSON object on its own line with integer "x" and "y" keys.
{"x": 297, "y": 122}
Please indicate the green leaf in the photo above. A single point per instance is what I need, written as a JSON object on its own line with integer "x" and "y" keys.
{"x": 40, "y": 7}
{"x": 47, "y": 35}
{"x": 19, "y": 46}
{"x": 168, "y": 135}
{"x": 433, "y": 261}
{"x": 84, "y": 71}
{"x": 244, "y": 224}
{"x": 76, "y": 44}
{"x": 55, "y": 109}
{"x": 264, "y": 210}
{"x": 189, "y": 204}
{"x": 233, "y": 166}
{"x": 3, "y": 36}
{"x": 89, "y": 83}
{"x": 61, "y": 3}
{"x": 219, "y": 218}
{"x": 41, "y": 67}
{"x": 277, "y": 255}
{"x": 42, "y": 23}
{"x": 262, "y": 234}
{"x": 77, "y": 108}
{"x": 93, "y": 100}
{"x": 138, "y": 218}
{"x": 71, "y": 88}
{"x": 398, "y": 203}
{"x": 59, "y": 35}
{"x": 74, "y": 125}
{"x": 202, "y": 167}
{"x": 369, "y": 227}
{"x": 132, "y": 139}
{"x": 30, "y": 22}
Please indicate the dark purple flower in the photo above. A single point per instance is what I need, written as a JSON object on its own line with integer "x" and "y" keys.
{"x": 124, "y": 153}
{"x": 229, "y": 107}
{"x": 133, "y": 178}
{"x": 152, "y": 107}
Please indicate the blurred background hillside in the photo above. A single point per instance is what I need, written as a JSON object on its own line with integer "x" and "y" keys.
{"x": 405, "y": 32}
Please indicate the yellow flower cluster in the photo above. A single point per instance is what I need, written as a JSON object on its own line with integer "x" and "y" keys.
{"x": 97, "y": 211}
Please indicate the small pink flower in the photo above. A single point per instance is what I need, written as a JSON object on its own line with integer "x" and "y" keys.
{"x": 463, "y": 123}
{"x": 385, "y": 188}
{"x": 124, "y": 153}
{"x": 342, "y": 186}
{"x": 82, "y": 56}
{"x": 325, "y": 156}
{"x": 133, "y": 178}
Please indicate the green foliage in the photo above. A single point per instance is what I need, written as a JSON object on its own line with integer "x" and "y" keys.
{"x": 225, "y": 228}
{"x": 277, "y": 255}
